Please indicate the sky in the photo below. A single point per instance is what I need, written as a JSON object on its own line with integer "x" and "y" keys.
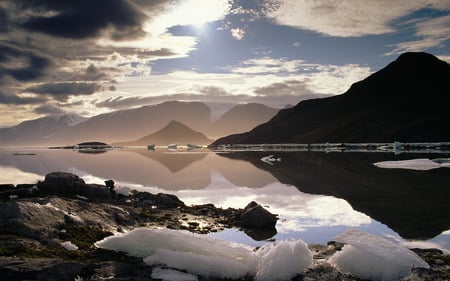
{"x": 94, "y": 56}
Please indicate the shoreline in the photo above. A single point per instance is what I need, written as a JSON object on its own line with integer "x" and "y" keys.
{"x": 37, "y": 219}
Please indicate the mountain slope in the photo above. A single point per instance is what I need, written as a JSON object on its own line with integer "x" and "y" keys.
{"x": 405, "y": 101}
{"x": 134, "y": 123}
{"x": 241, "y": 118}
{"x": 174, "y": 132}
{"x": 38, "y": 131}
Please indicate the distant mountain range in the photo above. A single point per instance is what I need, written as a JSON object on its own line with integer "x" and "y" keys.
{"x": 405, "y": 101}
{"x": 132, "y": 124}
{"x": 38, "y": 131}
{"x": 174, "y": 132}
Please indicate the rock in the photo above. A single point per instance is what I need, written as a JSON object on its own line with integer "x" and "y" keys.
{"x": 67, "y": 184}
{"x": 160, "y": 200}
{"x": 109, "y": 184}
{"x": 254, "y": 215}
{"x": 6, "y": 186}
{"x": 39, "y": 269}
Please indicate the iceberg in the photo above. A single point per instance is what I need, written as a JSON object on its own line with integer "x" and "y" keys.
{"x": 368, "y": 256}
{"x": 414, "y": 164}
{"x": 206, "y": 256}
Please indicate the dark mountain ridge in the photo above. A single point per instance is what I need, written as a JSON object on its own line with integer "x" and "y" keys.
{"x": 405, "y": 101}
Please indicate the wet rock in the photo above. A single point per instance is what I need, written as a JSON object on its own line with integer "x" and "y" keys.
{"x": 39, "y": 269}
{"x": 254, "y": 215}
{"x": 160, "y": 200}
{"x": 67, "y": 184}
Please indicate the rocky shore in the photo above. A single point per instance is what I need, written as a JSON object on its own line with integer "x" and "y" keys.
{"x": 48, "y": 231}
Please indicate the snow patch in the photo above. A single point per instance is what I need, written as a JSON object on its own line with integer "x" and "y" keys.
{"x": 69, "y": 246}
{"x": 368, "y": 256}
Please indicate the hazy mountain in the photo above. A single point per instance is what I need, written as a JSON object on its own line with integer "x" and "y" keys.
{"x": 131, "y": 124}
{"x": 38, "y": 131}
{"x": 241, "y": 118}
{"x": 405, "y": 101}
{"x": 174, "y": 132}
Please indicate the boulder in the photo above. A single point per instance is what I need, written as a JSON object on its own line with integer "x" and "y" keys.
{"x": 255, "y": 216}
{"x": 67, "y": 184}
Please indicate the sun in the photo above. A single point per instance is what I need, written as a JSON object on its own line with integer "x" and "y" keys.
{"x": 199, "y": 12}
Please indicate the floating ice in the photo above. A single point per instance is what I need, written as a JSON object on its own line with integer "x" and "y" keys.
{"x": 203, "y": 255}
{"x": 415, "y": 164}
{"x": 368, "y": 256}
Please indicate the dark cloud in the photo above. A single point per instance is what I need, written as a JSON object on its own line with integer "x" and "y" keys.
{"x": 62, "y": 91}
{"x": 22, "y": 64}
{"x": 48, "y": 110}
{"x": 79, "y": 19}
{"x": 4, "y": 21}
{"x": 13, "y": 99}
{"x": 94, "y": 73}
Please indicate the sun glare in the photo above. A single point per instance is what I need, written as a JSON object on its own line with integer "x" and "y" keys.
{"x": 199, "y": 12}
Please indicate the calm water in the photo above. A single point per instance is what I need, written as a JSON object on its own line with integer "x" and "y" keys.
{"x": 317, "y": 195}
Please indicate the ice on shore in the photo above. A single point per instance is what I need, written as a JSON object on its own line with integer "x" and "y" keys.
{"x": 368, "y": 256}
{"x": 172, "y": 275}
{"x": 203, "y": 255}
{"x": 415, "y": 164}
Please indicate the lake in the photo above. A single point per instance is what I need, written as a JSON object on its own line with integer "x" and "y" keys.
{"x": 316, "y": 194}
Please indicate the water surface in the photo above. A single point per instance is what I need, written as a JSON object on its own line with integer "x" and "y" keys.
{"x": 317, "y": 195}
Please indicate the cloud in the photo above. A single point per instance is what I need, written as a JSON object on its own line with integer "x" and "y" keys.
{"x": 62, "y": 91}
{"x": 351, "y": 18}
{"x": 266, "y": 65}
{"x": 79, "y": 19}
{"x": 432, "y": 33}
{"x": 22, "y": 64}
{"x": 48, "y": 109}
{"x": 288, "y": 87}
{"x": 12, "y": 99}
{"x": 237, "y": 33}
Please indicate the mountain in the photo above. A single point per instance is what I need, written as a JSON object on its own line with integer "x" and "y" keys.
{"x": 174, "y": 132}
{"x": 38, "y": 131}
{"x": 134, "y": 123}
{"x": 405, "y": 101}
{"x": 241, "y": 118}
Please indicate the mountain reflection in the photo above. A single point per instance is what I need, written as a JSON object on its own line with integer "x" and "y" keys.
{"x": 415, "y": 204}
{"x": 163, "y": 169}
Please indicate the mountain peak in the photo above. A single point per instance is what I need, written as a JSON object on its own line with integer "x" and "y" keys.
{"x": 417, "y": 58}
{"x": 173, "y": 132}
{"x": 405, "y": 101}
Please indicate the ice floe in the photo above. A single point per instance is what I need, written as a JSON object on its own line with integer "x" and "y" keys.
{"x": 415, "y": 164}
{"x": 368, "y": 256}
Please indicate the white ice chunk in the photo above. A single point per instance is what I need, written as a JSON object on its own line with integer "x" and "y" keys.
{"x": 206, "y": 256}
{"x": 283, "y": 260}
{"x": 172, "y": 275}
{"x": 413, "y": 164}
{"x": 205, "y": 265}
{"x": 69, "y": 246}
{"x": 368, "y": 256}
